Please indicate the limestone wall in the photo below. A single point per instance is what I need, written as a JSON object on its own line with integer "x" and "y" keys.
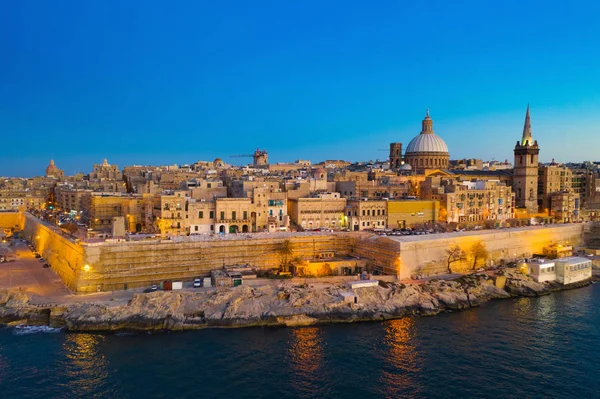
{"x": 427, "y": 254}
{"x": 64, "y": 255}
{"x": 138, "y": 264}
{"x": 105, "y": 266}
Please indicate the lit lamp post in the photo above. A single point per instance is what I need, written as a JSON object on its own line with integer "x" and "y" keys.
{"x": 399, "y": 264}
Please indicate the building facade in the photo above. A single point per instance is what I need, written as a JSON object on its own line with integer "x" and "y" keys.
{"x": 325, "y": 210}
{"x": 366, "y": 214}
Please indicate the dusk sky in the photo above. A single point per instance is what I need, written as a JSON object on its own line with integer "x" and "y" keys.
{"x": 154, "y": 82}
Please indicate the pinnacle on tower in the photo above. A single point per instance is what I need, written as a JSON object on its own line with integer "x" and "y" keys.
{"x": 527, "y": 137}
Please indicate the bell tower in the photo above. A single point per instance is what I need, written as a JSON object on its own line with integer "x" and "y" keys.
{"x": 525, "y": 172}
{"x": 395, "y": 155}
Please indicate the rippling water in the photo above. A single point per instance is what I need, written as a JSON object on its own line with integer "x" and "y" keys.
{"x": 525, "y": 348}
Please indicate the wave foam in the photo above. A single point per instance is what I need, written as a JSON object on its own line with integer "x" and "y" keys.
{"x": 25, "y": 330}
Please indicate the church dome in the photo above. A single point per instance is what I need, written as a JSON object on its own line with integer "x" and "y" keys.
{"x": 51, "y": 169}
{"x": 427, "y": 142}
{"x": 427, "y": 150}
{"x": 405, "y": 166}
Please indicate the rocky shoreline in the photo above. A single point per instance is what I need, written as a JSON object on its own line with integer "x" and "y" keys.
{"x": 285, "y": 304}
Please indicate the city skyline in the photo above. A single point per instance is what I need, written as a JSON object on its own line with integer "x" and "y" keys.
{"x": 152, "y": 85}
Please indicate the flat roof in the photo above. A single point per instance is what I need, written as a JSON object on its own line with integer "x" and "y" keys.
{"x": 573, "y": 260}
{"x": 437, "y": 236}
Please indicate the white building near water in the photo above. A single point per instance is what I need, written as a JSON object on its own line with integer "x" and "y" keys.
{"x": 542, "y": 270}
{"x": 573, "y": 269}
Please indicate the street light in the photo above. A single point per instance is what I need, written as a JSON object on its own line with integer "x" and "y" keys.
{"x": 86, "y": 268}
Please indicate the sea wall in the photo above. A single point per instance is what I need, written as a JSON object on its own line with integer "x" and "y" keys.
{"x": 116, "y": 266}
{"x": 106, "y": 266}
{"x": 427, "y": 254}
{"x": 64, "y": 254}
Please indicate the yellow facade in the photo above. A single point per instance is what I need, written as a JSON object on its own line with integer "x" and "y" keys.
{"x": 403, "y": 214}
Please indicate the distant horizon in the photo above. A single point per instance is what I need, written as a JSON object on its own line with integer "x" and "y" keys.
{"x": 155, "y": 83}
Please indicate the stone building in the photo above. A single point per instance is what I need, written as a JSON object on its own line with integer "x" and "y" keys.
{"x": 201, "y": 217}
{"x": 325, "y": 210}
{"x": 70, "y": 198}
{"x": 235, "y": 215}
{"x": 552, "y": 178}
{"x": 363, "y": 214}
{"x": 170, "y": 212}
{"x": 525, "y": 172}
{"x": 471, "y": 201}
{"x": 427, "y": 150}
{"x": 564, "y": 206}
{"x": 106, "y": 171}
{"x": 99, "y": 209}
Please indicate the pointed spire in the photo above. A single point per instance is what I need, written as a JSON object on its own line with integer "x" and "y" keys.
{"x": 527, "y": 136}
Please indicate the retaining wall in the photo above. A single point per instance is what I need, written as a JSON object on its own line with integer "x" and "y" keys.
{"x": 427, "y": 254}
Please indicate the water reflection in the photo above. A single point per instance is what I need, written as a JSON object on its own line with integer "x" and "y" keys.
{"x": 86, "y": 367}
{"x": 402, "y": 364}
{"x": 306, "y": 355}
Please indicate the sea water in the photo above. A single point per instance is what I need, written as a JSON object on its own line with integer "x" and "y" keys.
{"x": 547, "y": 347}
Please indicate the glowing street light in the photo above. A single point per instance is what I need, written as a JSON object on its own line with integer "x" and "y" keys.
{"x": 86, "y": 268}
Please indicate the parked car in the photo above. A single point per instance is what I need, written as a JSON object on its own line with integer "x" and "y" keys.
{"x": 46, "y": 265}
{"x": 153, "y": 288}
{"x": 41, "y": 260}
{"x": 38, "y": 256}
{"x": 197, "y": 283}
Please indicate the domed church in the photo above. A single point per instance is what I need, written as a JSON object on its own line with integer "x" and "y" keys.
{"x": 427, "y": 150}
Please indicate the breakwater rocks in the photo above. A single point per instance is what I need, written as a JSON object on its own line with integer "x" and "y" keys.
{"x": 284, "y": 304}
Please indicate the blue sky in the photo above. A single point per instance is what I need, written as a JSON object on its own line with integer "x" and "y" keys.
{"x": 154, "y": 82}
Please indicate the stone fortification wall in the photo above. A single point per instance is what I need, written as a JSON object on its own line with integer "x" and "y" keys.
{"x": 382, "y": 252}
{"x": 11, "y": 220}
{"x": 64, "y": 255}
{"x": 141, "y": 263}
{"x": 592, "y": 235}
{"x": 427, "y": 254}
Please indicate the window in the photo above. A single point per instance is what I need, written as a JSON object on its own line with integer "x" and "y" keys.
{"x": 201, "y": 215}
{"x": 364, "y": 212}
{"x": 195, "y": 228}
{"x": 233, "y": 215}
{"x": 222, "y": 215}
{"x": 211, "y": 214}
{"x": 245, "y": 214}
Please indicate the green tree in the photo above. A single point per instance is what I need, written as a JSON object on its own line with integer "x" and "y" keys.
{"x": 479, "y": 252}
{"x": 455, "y": 253}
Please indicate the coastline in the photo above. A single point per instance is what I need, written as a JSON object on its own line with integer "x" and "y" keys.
{"x": 282, "y": 305}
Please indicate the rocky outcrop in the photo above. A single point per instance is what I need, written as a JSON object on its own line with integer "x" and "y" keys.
{"x": 285, "y": 304}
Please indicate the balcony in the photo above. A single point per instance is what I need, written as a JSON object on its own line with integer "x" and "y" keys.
{"x": 234, "y": 221}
